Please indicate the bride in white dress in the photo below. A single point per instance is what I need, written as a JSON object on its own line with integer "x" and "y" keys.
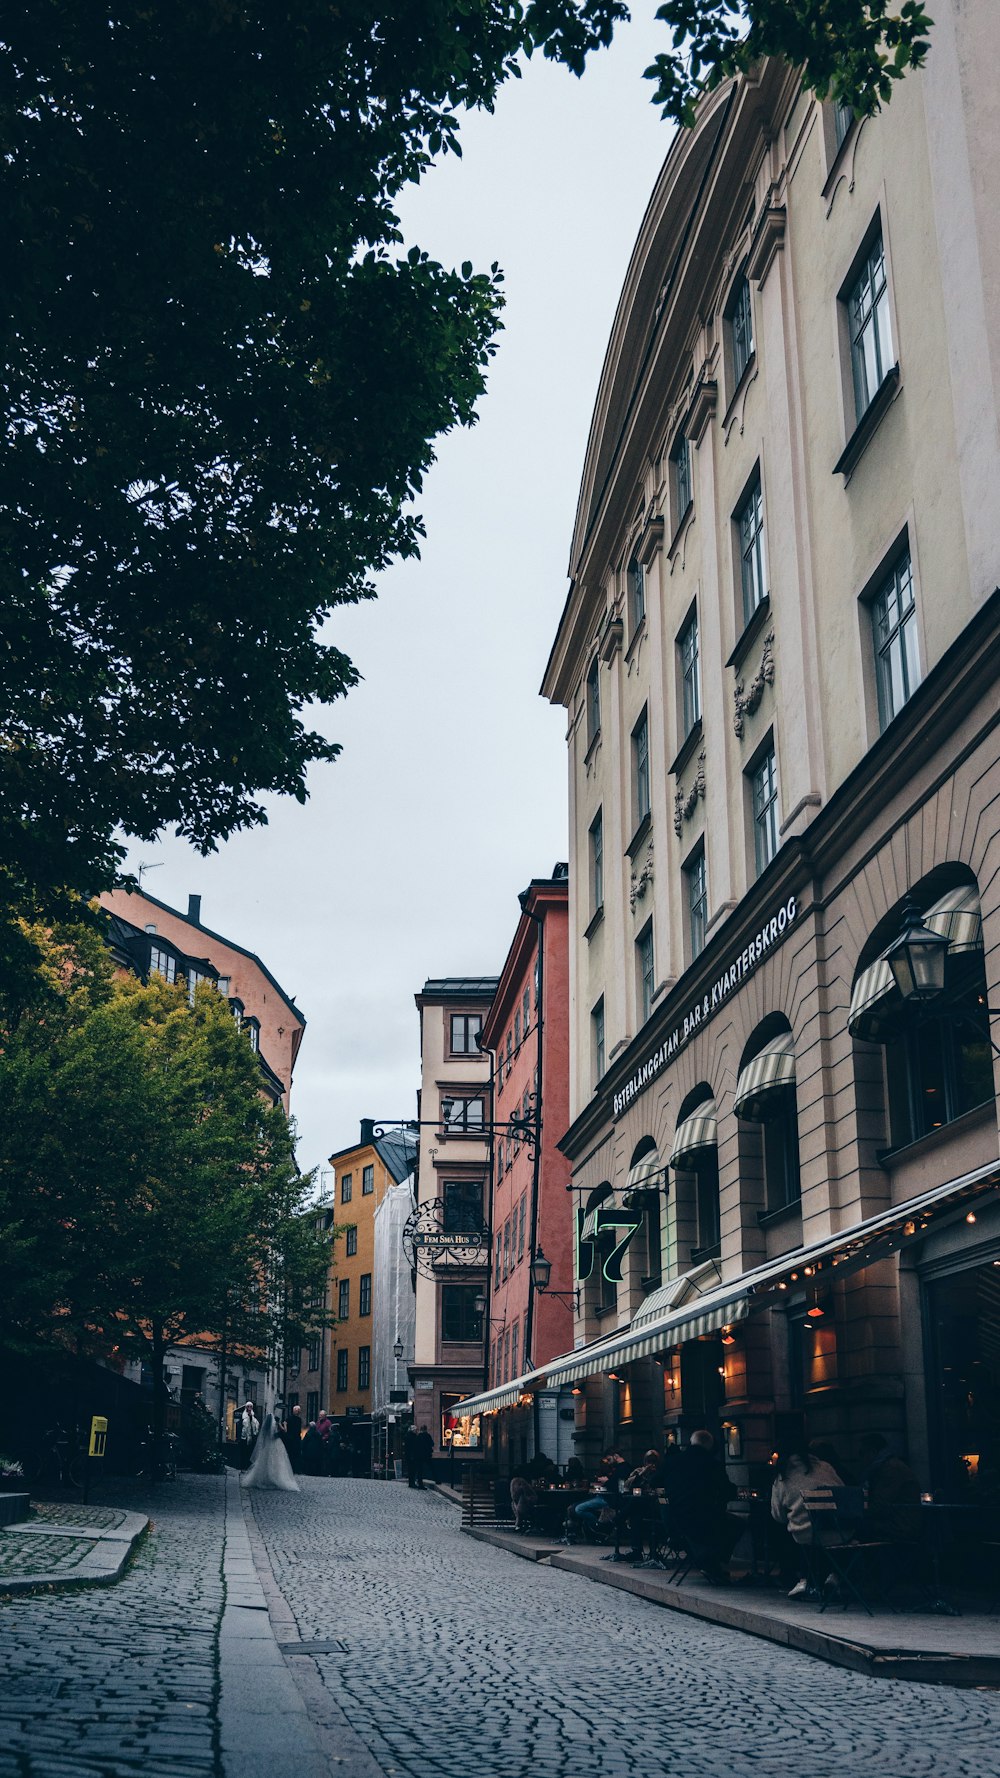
{"x": 270, "y": 1467}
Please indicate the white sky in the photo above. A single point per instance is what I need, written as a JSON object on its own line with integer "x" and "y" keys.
{"x": 450, "y": 794}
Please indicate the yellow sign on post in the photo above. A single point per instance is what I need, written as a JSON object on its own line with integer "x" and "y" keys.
{"x": 98, "y": 1436}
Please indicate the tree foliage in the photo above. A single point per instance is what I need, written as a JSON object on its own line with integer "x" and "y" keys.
{"x": 223, "y": 373}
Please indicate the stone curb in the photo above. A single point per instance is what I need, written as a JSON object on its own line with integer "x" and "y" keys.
{"x": 102, "y": 1565}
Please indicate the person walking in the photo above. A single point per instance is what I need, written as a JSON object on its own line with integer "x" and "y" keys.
{"x": 410, "y": 1459}
{"x": 293, "y": 1436}
{"x": 424, "y": 1447}
{"x": 249, "y": 1429}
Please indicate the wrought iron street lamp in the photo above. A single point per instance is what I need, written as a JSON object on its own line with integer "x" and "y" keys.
{"x": 917, "y": 957}
{"x": 397, "y": 1350}
{"x": 541, "y": 1272}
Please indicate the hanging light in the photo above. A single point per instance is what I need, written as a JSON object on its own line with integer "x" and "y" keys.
{"x": 728, "y": 1337}
{"x": 479, "y": 1301}
{"x": 917, "y": 957}
{"x": 541, "y": 1270}
{"x": 397, "y": 1350}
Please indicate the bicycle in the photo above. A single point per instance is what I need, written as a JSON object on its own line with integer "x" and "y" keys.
{"x": 59, "y": 1461}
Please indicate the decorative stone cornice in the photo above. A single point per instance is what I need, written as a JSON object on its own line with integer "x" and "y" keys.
{"x": 611, "y": 638}
{"x": 768, "y": 241}
{"x": 747, "y": 701}
{"x": 685, "y": 802}
{"x": 701, "y": 412}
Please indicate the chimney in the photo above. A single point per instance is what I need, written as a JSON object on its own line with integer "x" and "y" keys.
{"x": 367, "y": 1132}
{"x": 194, "y": 909}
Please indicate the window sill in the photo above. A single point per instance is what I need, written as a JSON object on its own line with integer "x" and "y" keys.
{"x": 595, "y": 921}
{"x": 749, "y": 370}
{"x": 651, "y": 1284}
{"x": 679, "y": 532}
{"x": 700, "y": 1254}
{"x": 637, "y": 636}
{"x": 687, "y": 747}
{"x": 639, "y": 835}
{"x": 959, "y": 1126}
{"x": 869, "y": 423}
{"x": 769, "y": 1219}
{"x": 606, "y": 1309}
{"x": 750, "y": 632}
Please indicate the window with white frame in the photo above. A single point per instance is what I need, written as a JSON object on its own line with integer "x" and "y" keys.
{"x": 741, "y": 328}
{"x": 764, "y": 799}
{"x": 749, "y": 520}
{"x": 687, "y": 648}
{"x": 461, "y": 1114}
{"x": 597, "y": 1039}
{"x": 636, "y": 592}
{"x": 162, "y": 963}
{"x": 465, "y": 1031}
{"x": 593, "y": 701}
{"x": 645, "y": 970}
{"x": 597, "y": 863}
{"x": 894, "y": 635}
{"x": 867, "y": 303}
{"x": 696, "y": 882}
{"x": 640, "y": 768}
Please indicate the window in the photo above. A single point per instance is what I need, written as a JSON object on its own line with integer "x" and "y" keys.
{"x": 499, "y": 1253}
{"x": 162, "y": 963}
{"x": 352, "y": 1242}
{"x": 894, "y": 633}
{"x": 513, "y": 1348}
{"x": 465, "y": 1031}
{"x": 526, "y": 1010}
{"x": 871, "y": 334}
{"x": 312, "y": 1405}
{"x": 510, "y": 1052}
{"x": 506, "y": 1248}
{"x": 597, "y": 1039}
{"x": 696, "y": 879}
{"x": 506, "y": 1356}
{"x": 517, "y": 1029}
{"x": 843, "y": 117}
{"x": 939, "y": 1066}
{"x": 681, "y": 461}
{"x": 780, "y": 1144}
{"x": 367, "y": 1181}
{"x": 460, "y": 1319}
{"x": 343, "y": 1360}
{"x": 522, "y": 1218}
{"x": 365, "y": 1294}
{"x": 707, "y": 1201}
{"x": 636, "y": 593}
{"x": 764, "y": 796}
{"x": 741, "y": 328}
{"x": 644, "y": 964}
{"x": 538, "y": 978}
{"x": 463, "y": 1206}
{"x": 314, "y": 1343}
{"x": 223, "y": 985}
{"x": 346, "y": 1188}
{"x": 753, "y": 570}
{"x": 463, "y": 1114}
{"x": 364, "y": 1366}
{"x": 344, "y": 1299}
{"x": 593, "y": 701}
{"x": 690, "y": 673}
{"x": 640, "y": 767}
{"x": 597, "y": 863}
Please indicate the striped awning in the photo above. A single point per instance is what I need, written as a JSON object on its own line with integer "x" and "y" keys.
{"x": 706, "y": 1314}
{"x": 695, "y": 1134}
{"x": 875, "y": 996}
{"x": 766, "y": 1077}
{"x": 644, "y": 1172}
{"x": 957, "y": 915}
{"x": 505, "y": 1395}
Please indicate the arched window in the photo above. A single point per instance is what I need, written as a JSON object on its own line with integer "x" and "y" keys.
{"x": 765, "y": 1097}
{"x": 646, "y": 1180}
{"x": 695, "y": 1156}
{"x": 937, "y": 1057}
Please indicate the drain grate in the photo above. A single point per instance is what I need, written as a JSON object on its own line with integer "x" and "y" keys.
{"x": 313, "y": 1648}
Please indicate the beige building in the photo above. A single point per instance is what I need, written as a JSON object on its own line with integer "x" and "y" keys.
{"x": 778, "y": 655}
{"x": 446, "y": 1240}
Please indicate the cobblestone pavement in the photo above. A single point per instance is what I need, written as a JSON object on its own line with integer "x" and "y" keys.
{"x": 465, "y": 1662}
{"x": 114, "y": 1681}
{"x": 40, "y": 1552}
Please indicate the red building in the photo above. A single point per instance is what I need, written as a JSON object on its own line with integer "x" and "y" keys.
{"x": 527, "y": 1034}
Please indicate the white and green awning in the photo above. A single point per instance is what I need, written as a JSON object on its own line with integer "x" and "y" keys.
{"x": 695, "y": 1134}
{"x": 766, "y": 1077}
{"x": 644, "y": 1173}
{"x": 875, "y": 997}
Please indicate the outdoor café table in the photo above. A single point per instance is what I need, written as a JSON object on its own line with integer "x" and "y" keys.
{"x": 552, "y": 1505}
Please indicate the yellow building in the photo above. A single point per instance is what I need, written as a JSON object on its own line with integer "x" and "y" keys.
{"x": 335, "y": 1371}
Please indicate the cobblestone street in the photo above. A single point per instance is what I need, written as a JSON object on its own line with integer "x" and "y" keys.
{"x": 445, "y": 1657}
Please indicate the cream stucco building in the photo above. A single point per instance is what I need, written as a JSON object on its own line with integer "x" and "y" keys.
{"x": 778, "y": 658}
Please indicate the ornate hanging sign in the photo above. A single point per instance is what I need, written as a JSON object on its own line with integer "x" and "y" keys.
{"x": 429, "y": 1243}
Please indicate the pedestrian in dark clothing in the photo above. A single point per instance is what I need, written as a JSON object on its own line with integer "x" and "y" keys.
{"x": 293, "y": 1437}
{"x": 700, "y": 1491}
{"x": 424, "y": 1453}
{"x": 410, "y": 1456}
{"x": 312, "y": 1450}
{"x": 892, "y": 1493}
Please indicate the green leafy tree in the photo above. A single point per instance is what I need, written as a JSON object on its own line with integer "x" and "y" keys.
{"x": 223, "y": 374}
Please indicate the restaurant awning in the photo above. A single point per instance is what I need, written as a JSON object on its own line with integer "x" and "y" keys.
{"x": 641, "y": 1176}
{"x": 766, "y": 1077}
{"x": 695, "y": 1133}
{"x": 505, "y": 1395}
{"x": 875, "y": 997}
{"x": 656, "y": 1328}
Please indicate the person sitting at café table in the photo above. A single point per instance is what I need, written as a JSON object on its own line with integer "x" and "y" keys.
{"x": 700, "y": 1491}
{"x": 575, "y": 1472}
{"x": 541, "y": 1469}
{"x": 522, "y": 1499}
{"x": 892, "y": 1493}
{"x": 642, "y": 1486}
{"x": 800, "y": 1499}
{"x": 585, "y": 1516}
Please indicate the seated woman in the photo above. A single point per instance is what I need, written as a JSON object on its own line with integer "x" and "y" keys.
{"x": 800, "y": 1499}
{"x": 522, "y": 1499}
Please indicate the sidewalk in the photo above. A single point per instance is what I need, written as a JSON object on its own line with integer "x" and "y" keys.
{"x": 961, "y": 1651}
{"x": 67, "y": 1545}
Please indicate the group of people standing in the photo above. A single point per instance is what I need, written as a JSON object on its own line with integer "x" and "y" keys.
{"x": 309, "y": 1450}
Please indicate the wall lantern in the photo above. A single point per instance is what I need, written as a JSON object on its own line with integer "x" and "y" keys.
{"x": 541, "y": 1270}
{"x": 479, "y": 1301}
{"x": 728, "y": 1337}
{"x": 397, "y": 1350}
{"x": 917, "y": 957}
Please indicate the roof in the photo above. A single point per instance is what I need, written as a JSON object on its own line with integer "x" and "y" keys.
{"x": 196, "y": 926}
{"x": 397, "y": 1152}
{"x": 459, "y": 987}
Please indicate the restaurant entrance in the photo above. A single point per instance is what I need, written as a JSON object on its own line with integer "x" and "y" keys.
{"x": 962, "y": 1322}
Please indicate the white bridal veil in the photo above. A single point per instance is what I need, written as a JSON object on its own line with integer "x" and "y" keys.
{"x": 270, "y": 1467}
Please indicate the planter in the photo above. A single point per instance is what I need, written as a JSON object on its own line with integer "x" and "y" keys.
{"x": 13, "y": 1507}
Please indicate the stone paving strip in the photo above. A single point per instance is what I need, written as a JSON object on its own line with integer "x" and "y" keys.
{"x": 68, "y": 1545}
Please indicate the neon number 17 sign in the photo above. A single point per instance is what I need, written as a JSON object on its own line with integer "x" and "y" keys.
{"x": 626, "y": 1223}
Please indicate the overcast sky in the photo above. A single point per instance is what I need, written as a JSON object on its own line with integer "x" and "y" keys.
{"x": 450, "y": 793}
